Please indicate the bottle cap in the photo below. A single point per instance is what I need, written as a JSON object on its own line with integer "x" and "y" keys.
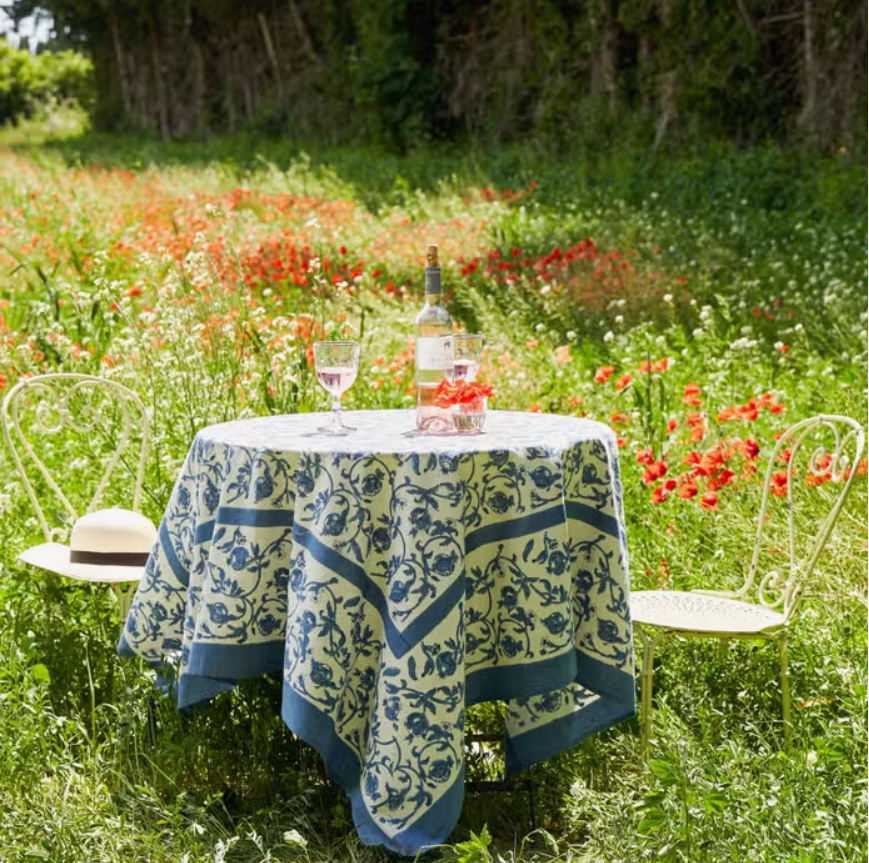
{"x": 431, "y": 256}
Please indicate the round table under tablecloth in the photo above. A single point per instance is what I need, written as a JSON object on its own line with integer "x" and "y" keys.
{"x": 395, "y": 580}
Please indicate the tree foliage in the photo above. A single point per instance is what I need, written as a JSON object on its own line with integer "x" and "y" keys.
{"x": 28, "y": 81}
{"x": 401, "y": 71}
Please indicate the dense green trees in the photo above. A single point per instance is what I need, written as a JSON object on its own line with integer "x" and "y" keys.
{"x": 28, "y": 81}
{"x": 404, "y": 70}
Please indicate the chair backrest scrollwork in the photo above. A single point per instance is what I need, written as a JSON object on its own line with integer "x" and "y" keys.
{"x": 82, "y": 404}
{"x": 834, "y": 445}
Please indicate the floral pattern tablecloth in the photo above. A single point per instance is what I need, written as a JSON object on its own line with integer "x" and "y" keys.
{"x": 395, "y": 580}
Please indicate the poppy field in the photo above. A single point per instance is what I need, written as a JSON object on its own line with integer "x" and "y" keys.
{"x": 699, "y": 309}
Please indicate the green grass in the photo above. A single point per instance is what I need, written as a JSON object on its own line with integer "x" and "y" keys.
{"x": 156, "y": 264}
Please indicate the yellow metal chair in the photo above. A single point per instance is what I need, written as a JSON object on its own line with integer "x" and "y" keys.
{"x": 85, "y": 405}
{"x": 727, "y": 614}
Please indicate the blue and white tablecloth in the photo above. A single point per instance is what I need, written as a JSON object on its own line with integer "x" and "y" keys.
{"x": 396, "y": 580}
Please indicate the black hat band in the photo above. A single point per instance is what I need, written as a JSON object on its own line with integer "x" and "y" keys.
{"x": 110, "y": 558}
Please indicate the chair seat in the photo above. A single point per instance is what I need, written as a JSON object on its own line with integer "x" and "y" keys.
{"x": 696, "y": 612}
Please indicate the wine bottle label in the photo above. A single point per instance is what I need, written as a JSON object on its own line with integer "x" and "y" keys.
{"x": 434, "y": 353}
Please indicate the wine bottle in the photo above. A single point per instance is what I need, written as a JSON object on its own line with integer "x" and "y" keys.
{"x": 434, "y": 349}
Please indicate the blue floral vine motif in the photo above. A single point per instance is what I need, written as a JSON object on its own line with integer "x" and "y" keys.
{"x": 395, "y": 586}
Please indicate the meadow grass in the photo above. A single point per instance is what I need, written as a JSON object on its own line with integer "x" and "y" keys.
{"x": 699, "y": 304}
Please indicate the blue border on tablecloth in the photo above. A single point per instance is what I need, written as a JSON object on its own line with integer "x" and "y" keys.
{"x": 511, "y": 528}
{"x": 604, "y": 679}
{"x": 514, "y": 527}
{"x": 618, "y": 701}
{"x": 216, "y": 668}
{"x": 242, "y": 516}
{"x": 227, "y": 663}
{"x": 178, "y": 569}
{"x": 520, "y": 679}
{"x": 222, "y": 664}
{"x": 557, "y": 737}
{"x": 596, "y": 518}
{"x": 234, "y": 661}
{"x": 343, "y": 767}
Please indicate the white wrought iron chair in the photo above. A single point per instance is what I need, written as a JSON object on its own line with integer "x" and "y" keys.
{"x": 49, "y": 404}
{"x": 726, "y": 614}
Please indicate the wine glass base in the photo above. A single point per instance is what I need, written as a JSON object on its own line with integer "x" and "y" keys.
{"x": 328, "y": 431}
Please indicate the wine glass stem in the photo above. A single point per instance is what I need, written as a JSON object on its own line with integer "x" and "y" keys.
{"x": 336, "y": 413}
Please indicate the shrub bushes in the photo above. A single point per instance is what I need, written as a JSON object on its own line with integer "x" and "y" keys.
{"x": 30, "y": 81}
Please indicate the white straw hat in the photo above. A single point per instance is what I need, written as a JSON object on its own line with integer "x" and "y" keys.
{"x": 107, "y": 545}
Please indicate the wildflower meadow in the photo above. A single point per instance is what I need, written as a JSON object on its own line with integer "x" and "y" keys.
{"x": 698, "y": 307}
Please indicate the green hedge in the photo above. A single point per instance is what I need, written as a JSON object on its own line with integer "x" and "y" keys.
{"x": 29, "y": 81}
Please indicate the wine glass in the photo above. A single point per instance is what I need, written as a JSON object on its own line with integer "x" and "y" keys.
{"x": 467, "y": 355}
{"x": 337, "y": 364}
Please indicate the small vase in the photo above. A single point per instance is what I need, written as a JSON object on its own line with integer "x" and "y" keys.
{"x": 470, "y": 418}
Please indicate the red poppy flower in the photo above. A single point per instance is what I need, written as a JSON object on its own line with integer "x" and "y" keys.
{"x": 461, "y": 393}
{"x": 779, "y": 483}
{"x": 623, "y": 381}
{"x": 660, "y": 365}
{"x": 654, "y": 471}
{"x": 698, "y": 432}
{"x": 688, "y": 490}
{"x": 660, "y": 494}
{"x": 813, "y": 478}
{"x": 749, "y": 448}
{"x": 602, "y": 375}
{"x": 709, "y": 500}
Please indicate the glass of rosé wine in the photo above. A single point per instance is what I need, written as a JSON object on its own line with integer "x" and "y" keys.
{"x": 337, "y": 364}
{"x": 467, "y": 356}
